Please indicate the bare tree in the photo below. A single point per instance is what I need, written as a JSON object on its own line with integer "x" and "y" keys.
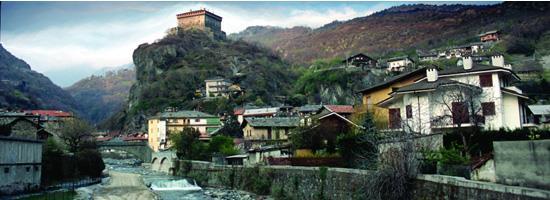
{"x": 460, "y": 105}
{"x": 74, "y": 132}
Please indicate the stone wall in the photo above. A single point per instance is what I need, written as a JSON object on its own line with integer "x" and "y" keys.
{"x": 339, "y": 183}
{"x": 523, "y": 163}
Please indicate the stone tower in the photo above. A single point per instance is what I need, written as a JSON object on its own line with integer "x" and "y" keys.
{"x": 203, "y": 20}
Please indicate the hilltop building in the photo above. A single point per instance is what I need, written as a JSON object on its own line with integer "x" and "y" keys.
{"x": 216, "y": 87}
{"x": 202, "y": 20}
{"x": 360, "y": 60}
{"x": 398, "y": 64}
{"x": 490, "y": 36}
{"x": 161, "y": 126}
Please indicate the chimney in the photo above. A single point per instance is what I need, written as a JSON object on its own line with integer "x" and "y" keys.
{"x": 497, "y": 60}
{"x": 508, "y": 66}
{"x": 467, "y": 62}
{"x": 431, "y": 74}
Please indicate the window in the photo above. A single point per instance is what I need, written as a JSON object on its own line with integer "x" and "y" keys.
{"x": 28, "y": 169}
{"x": 36, "y": 168}
{"x": 409, "y": 110}
{"x": 197, "y": 120}
{"x": 486, "y": 80}
{"x": 6, "y": 170}
{"x": 488, "y": 108}
{"x": 394, "y": 118}
{"x": 460, "y": 113}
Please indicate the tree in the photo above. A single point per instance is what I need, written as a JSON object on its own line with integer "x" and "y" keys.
{"x": 462, "y": 104}
{"x": 74, "y": 133}
{"x": 223, "y": 145}
{"x": 231, "y": 128}
{"x": 187, "y": 145}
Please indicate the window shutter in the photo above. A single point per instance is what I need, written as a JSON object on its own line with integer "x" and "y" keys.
{"x": 460, "y": 113}
{"x": 488, "y": 108}
{"x": 486, "y": 80}
{"x": 409, "y": 111}
{"x": 394, "y": 118}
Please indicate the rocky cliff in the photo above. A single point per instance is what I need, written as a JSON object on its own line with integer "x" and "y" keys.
{"x": 169, "y": 71}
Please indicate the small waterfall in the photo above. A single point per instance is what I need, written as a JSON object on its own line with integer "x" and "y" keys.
{"x": 181, "y": 184}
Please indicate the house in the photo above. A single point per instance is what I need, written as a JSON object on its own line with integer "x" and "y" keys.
{"x": 331, "y": 121}
{"x": 541, "y": 113}
{"x": 261, "y": 131}
{"x": 427, "y": 57}
{"x": 21, "y": 142}
{"x": 216, "y": 87}
{"x": 360, "y": 60}
{"x": 379, "y": 92}
{"x": 162, "y": 125}
{"x": 50, "y": 115}
{"x": 490, "y": 36}
{"x": 398, "y": 64}
{"x": 459, "y": 97}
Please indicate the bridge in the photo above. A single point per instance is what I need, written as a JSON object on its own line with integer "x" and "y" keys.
{"x": 140, "y": 149}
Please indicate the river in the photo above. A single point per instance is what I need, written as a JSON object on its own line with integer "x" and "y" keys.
{"x": 127, "y": 182}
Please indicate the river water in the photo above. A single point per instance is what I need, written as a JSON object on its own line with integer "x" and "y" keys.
{"x": 163, "y": 186}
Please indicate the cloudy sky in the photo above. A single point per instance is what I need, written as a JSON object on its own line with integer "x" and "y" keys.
{"x": 68, "y": 41}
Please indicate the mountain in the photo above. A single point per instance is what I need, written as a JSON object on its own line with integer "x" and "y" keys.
{"x": 23, "y": 88}
{"x": 101, "y": 95}
{"x": 169, "y": 71}
{"x": 404, "y": 28}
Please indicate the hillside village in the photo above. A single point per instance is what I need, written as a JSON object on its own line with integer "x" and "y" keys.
{"x": 456, "y": 111}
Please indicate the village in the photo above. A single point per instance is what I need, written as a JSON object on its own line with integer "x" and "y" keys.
{"x": 466, "y": 120}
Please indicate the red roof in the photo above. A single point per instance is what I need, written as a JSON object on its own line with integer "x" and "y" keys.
{"x": 238, "y": 111}
{"x": 341, "y": 109}
{"x": 51, "y": 113}
{"x": 135, "y": 137}
{"x": 102, "y": 139}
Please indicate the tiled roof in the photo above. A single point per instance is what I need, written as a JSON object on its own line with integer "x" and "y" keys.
{"x": 340, "y": 109}
{"x": 261, "y": 111}
{"x": 50, "y": 113}
{"x": 185, "y": 114}
{"x": 425, "y": 85}
{"x": 475, "y": 68}
{"x": 238, "y": 111}
{"x": 395, "y": 79}
{"x": 273, "y": 122}
{"x": 309, "y": 108}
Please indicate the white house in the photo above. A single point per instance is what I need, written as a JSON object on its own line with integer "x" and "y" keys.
{"x": 216, "y": 87}
{"x": 472, "y": 95}
{"x": 398, "y": 63}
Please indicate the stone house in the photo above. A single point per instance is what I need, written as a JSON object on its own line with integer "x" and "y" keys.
{"x": 162, "y": 125}
{"x": 459, "y": 97}
{"x": 21, "y": 142}
{"x": 490, "y": 36}
{"x": 398, "y": 64}
{"x": 360, "y": 60}
{"x": 261, "y": 131}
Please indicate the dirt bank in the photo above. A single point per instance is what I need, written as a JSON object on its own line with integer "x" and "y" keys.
{"x": 123, "y": 186}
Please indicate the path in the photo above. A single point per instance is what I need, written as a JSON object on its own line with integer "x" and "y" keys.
{"x": 124, "y": 186}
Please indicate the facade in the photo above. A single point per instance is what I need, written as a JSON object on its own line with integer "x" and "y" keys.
{"x": 260, "y": 131}
{"x": 490, "y": 36}
{"x": 161, "y": 126}
{"x": 428, "y": 57}
{"x": 459, "y": 97}
{"x": 21, "y": 148}
{"x": 360, "y": 60}
{"x": 379, "y": 92}
{"x": 202, "y": 20}
{"x": 217, "y": 87}
{"x": 398, "y": 64}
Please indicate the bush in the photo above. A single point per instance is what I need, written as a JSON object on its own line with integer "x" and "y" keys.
{"x": 90, "y": 163}
{"x": 222, "y": 144}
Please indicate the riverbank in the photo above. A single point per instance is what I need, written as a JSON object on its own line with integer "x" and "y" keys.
{"x": 124, "y": 186}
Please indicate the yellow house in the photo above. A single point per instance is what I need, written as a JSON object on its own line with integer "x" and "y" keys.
{"x": 379, "y": 92}
{"x": 261, "y": 131}
{"x": 161, "y": 126}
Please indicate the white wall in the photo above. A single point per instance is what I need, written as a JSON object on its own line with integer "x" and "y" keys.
{"x": 511, "y": 114}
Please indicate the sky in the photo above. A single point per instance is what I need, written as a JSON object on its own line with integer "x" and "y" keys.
{"x": 68, "y": 41}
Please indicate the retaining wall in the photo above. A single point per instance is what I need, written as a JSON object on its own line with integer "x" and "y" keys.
{"x": 340, "y": 183}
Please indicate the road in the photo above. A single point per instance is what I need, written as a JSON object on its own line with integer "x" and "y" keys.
{"x": 123, "y": 186}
